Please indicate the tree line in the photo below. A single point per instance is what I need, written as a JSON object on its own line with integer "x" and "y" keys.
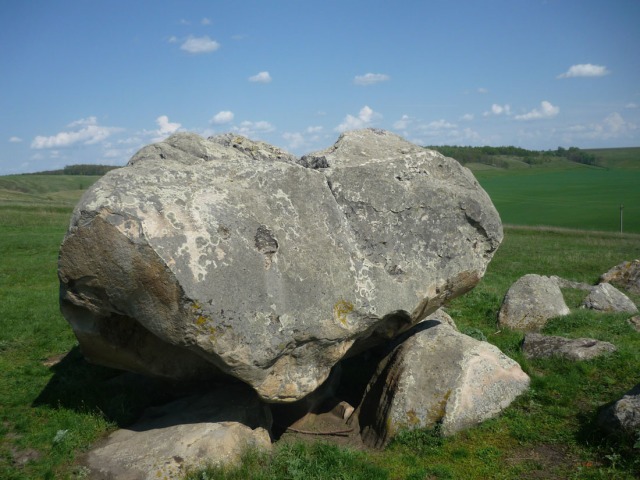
{"x": 81, "y": 169}
{"x": 492, "y": 155}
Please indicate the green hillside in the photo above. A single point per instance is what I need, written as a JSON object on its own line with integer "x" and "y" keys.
{"x": 39, "y": 190}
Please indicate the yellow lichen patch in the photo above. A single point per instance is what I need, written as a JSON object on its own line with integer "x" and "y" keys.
{"x": 341, "y": 310}
{"x": 195, "y": 306}
{"x": 412, "y": 417}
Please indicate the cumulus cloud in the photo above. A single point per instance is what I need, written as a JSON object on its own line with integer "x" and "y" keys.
{"x": 437, "y": 125}
{"x": 205, "y": 21}
{"x": 365, "y": 117}
{"x": 224, "y": 116}
{"x": 370, "y": 79}
{"x": 612, "y": 126}
{"x": 196, "y": 45}
{"x": 295, "y": 139}
{"x": 467, "y": 117}
{"x": 167, "y": 127}
{"x": 632, "y": 105}
{"x": 546, "y": 111}
{"x": 84, "y": 131}
{"x": 498, "y": 110}
{"x": 250, "y": 129}
{"x": 262, "y": 77}
{"x": 314, "y": 129}
{"x": 585, "y": 70}
{"x": 403, "y": 123}
{"x": 173, "y": 40}
{"x": 15, "y": 139}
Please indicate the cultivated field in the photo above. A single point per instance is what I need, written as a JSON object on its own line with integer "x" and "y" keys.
{"x": 53, "y": 404}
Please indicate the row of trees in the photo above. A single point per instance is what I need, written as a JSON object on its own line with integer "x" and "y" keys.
{"x": 494, "y": 155}
{"x": 81, "y": 169}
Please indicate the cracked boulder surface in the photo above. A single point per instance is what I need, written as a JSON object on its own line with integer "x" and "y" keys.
{"x": 225, "y": 256}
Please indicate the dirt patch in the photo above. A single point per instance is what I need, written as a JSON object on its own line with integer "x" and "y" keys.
{"x": 551, "y": 462}
{"x": 20, "y": 457}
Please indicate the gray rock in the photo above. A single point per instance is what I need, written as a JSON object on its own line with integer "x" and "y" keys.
{"x": 185, "y": 434}
{"x": 437, "y": 375}
{"x": 225, "y": 257}
{"x": 606, "y": 298}
{"x": 576, "y": 349}
{"x": 530, "y": 302}
{"x": 635, "y": 322}
{"x": 443, "y": 317}
{"x": 623, "y": 417}
{"x": 627, "y": 275}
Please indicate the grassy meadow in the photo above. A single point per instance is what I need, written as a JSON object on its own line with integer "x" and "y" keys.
{"x": 53, "y": 404}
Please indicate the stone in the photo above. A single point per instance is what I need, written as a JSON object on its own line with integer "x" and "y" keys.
{"x": 443, "y": 317}
{"x": 623, "y": 417}
{"x": 635, "y": 322}
{"x": 227, "y": 257}
{"x": 530, "y": 302}
{"x": 627, "y": 275}
{"x": 606, "y": 298}
{"x": 437, "y": 375}
{"x": 185, "y": 434}
{"x": 576, "y": 349}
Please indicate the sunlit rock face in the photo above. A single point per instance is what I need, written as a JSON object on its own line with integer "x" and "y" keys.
{"x": 225, "y": 256}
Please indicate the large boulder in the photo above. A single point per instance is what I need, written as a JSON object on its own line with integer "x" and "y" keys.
{"x": 530, "y": 302}
{"x": 604, "y": 297}
{"x": 224, "y": 256}
{"x": 627, "y": 275}
{"x": 576, "y": 349}
{"x": 182, "y": 435}
{"x": 437, "y": 375}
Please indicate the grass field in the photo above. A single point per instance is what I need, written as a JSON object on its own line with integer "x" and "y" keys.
{"x": 566, "y": 194}
{"x": 53, "y": 404}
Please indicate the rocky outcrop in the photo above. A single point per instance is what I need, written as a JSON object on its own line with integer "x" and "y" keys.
{"x": 437, "y": 375}
{"x": 224, "y": 256}
{"x": 185, "y": 434}
{"x": 530, "y": 302}
{"x": 623, "y": 417}
{"x": 627, "y": 275}
{"x": 606, "y": 298}
{"x": 576, "y": 349}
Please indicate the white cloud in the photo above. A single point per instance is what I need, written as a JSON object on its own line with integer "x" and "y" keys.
{"x": 546, "y": 111}
{"x": 467, "y": 117}
{"x": 15, "y": 139}
{"x": 199, "y": 45}
{"x": 440, "y": 124}
{"x": 365, "y": 117}
{"x": 185, "y": 22}
{"x": 89, "y": 134}
{"x": 166, "y": 127}
{"x": 585, "y": 70}
{"x": 295, "y": 139}
{"x": 403, "y": 123}
{"x": 498, "y": 110}
{"x": 632, "y": 105}
{"x": 205, "y": 21}
{"x": 314, "y": 129}
{"x": 370, "y": 79}
{"x": 262, "y": 77}
{"x": 173, "y": 40}
{"x": 224, "y": 116}
{"x": 249, "y": 129}
{"x": 613, "y": 126}
{"x": 482, "y": 90}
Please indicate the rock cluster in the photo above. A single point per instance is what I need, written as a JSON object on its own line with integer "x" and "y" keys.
{"x": 232, "y": 259}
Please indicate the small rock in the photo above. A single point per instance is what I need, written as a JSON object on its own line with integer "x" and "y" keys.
{"x": 187, "y": 433}
{"x": 627, "y": 275}
{"x": 541, "y": 346}
{"x": 606, "y": 298}
{"x": 623, "y": 417}
{"x": 563, "y": 283}
{"x": 635, "y": 322}
{"x": 531, "y": 302}
{"x": 437, "y": 375}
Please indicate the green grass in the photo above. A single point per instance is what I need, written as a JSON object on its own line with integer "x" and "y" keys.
{"x": 54, "y": 413}
{"x": 566, "y": 194}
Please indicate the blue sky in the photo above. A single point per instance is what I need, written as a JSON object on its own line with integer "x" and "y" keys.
{"x": 94, "y": 81}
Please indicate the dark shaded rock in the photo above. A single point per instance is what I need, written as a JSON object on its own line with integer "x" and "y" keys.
{"x": 623, "y": 417}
